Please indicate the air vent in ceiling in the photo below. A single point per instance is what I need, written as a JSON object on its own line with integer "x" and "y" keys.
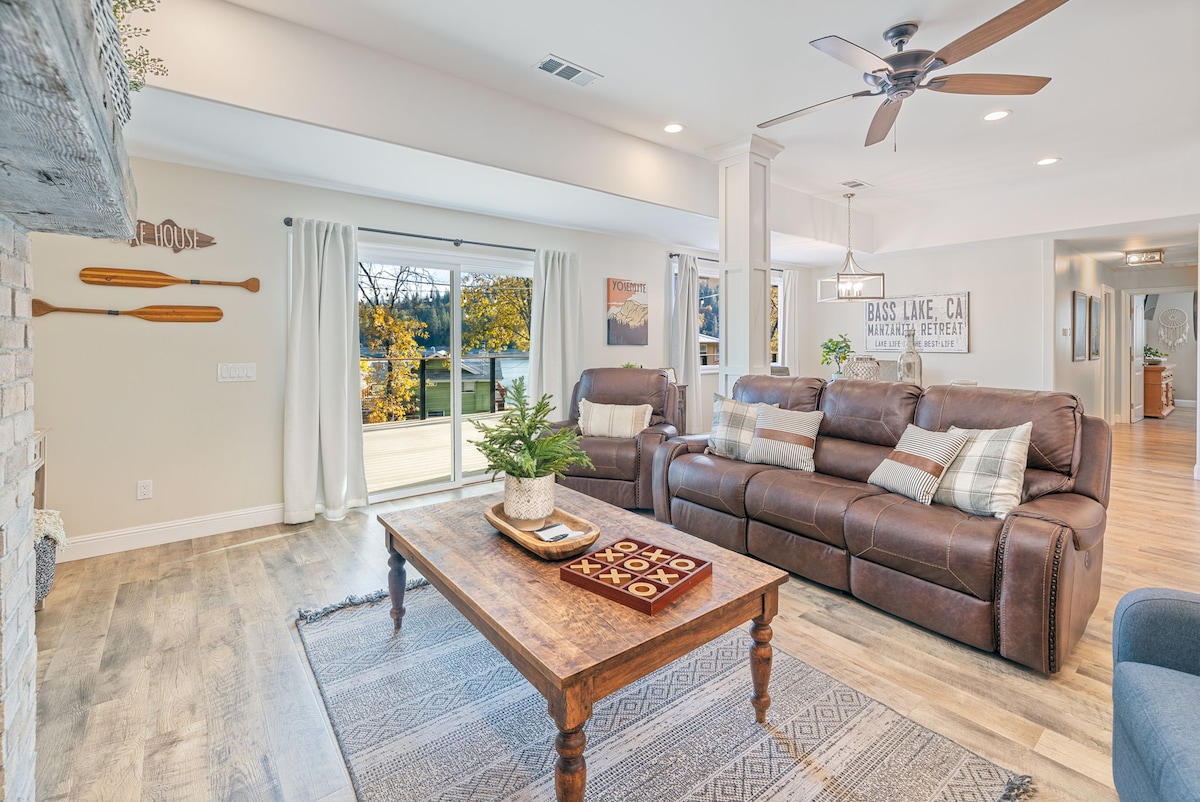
{"x": 854, "y": 183}
{"x": 566, "y": 70}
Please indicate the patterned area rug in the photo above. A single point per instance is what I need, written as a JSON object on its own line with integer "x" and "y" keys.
{"x": 436, "y": 713}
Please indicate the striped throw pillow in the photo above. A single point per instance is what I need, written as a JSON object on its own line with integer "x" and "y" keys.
{"x": 613, "y": 420}
{"x": 786, "y": 438}
{"x": 917, "y": 463}
{"x": 987, "y": 476}
{"x": 733, "y": 427}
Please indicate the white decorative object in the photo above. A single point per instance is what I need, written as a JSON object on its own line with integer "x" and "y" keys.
{"x": 1172, "y": 328}
{"x": 910, "y": 361}
{"x": 862, "y": 367}
{"x": 528, "y": 502}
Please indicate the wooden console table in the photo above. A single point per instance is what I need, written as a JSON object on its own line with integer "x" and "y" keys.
{"x": 1160, "y": 390}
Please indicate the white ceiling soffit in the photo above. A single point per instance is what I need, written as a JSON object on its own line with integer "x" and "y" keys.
{"x": 169, "y": 126}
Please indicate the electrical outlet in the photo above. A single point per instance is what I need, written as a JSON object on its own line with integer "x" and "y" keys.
{"x": 145, "y": 489}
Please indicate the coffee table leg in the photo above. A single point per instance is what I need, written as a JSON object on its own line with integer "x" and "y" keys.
{"x": 570, "y": 770}
{"x": 396, "y": 582}
{"x": 760, "y": 665}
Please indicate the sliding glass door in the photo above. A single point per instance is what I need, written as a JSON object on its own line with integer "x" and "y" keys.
{"x": 441, "y": 344}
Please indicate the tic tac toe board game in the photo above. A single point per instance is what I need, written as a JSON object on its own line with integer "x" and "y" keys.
{"x": 639, "y": 575}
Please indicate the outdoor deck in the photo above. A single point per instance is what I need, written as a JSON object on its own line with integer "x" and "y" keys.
{"x": 412, "y": 453}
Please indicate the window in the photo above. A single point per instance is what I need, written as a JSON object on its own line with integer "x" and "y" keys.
{"x": 710, "y": 316}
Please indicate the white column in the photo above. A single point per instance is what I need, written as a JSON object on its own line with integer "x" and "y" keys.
{"x": 745, "y": 189}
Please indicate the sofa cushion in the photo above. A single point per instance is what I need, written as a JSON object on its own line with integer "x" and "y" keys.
{"x": 868, "y": 412}
{"x": 1154, "y": 732}
{"x": 732, "y": 428}
{"x": 785, "y": 438}
{"x": 939, "y": 544}
{"x": 614, "y": 458}
{"x": 987, "y": 476}
{"x": 623, "y": 386}
{"x": 810, "y": 504}
{"x": 1055, "y": 440}
{"x": 613, "y": 420}
{"x": 715, "y": 482}
{"x": 801, "y": 393}
{"x": 917, "y": 463}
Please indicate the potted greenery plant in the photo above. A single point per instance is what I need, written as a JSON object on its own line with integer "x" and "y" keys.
{"x": 523, "y": 447}
{"x": 1153, "y": 356}
{"x": 835, "y": 350}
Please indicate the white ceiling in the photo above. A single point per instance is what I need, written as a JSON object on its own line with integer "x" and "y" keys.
{"x": 1119, "y": 110}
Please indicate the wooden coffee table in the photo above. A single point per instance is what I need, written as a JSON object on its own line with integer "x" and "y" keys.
{"x": 574, "y": 646}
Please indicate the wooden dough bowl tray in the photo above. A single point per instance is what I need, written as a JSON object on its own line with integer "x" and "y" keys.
{"x": 556, "y": 550}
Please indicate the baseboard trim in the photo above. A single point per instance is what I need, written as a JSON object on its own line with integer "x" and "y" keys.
{"x": 1185, "y": 404}
{"x": 138, "y": 537}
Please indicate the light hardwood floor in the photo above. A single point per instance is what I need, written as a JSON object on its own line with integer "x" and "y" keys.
{"x": 175, "y": 672}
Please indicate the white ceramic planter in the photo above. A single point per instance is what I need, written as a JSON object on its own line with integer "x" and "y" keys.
{"x": 528, "y": 502}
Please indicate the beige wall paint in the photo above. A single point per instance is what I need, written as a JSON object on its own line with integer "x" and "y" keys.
{"x": 127, "y": 399}
{"x": 1008, "y": 333}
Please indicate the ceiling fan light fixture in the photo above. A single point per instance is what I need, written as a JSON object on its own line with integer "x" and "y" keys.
{"x": 850, "y": 282}
{"x": 1049, "y": 160}
{"x": 1154, "y": 256}
{"x": 998, "y": 114}
{"x": 673, "y": 128}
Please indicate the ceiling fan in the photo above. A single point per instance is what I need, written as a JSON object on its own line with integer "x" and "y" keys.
{"x": 900, "y": 75}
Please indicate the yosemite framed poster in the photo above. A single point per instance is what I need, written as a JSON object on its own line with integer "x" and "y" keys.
{"x": 628, "y": 312}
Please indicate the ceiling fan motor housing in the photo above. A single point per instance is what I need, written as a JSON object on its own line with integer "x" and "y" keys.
{"x": 908, "y": 68}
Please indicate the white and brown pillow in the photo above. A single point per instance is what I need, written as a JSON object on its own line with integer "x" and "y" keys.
{"x": 786, "y": 438}
{"x": 613, "y": 420}
{"x": 917, "y": 463}
{"x": 733, "y": 427}
{"x": 987, "y": 476}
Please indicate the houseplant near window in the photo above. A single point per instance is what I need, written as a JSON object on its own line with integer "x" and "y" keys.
{"x": 835, "y": 350}
{"x": 522, "y": 446}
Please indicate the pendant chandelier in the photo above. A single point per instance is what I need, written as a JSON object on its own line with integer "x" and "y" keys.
{"x": 851, "y": 282}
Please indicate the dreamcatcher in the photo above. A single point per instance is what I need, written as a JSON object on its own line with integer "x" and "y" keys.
{"x": 1172, "y": 328}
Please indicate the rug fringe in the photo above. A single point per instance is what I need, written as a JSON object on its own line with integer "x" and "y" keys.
{"x": 1018, "y": 788}
{"x": 310, "y": 615}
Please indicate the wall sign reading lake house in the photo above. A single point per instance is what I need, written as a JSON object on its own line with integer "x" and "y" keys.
{"x": 170, "y": 234}
{"x": 940, "y": 322}
{"x": 628, "y": 312}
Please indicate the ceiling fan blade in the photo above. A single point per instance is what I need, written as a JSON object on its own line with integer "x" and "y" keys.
{"x": 850, "y": 53}
{"x": 968, "y": 84}
{"x": 882, "y": 122}
{"x": 818, "y": 107}
{"x": 996, "y": 29}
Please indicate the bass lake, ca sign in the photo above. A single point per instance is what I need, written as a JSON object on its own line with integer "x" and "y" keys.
{"x": 940, "y": 322}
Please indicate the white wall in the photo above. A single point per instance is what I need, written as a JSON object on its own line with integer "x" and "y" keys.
{"x": 127, "y": 399}
{"x": 1074, "y": 271}
{"x": 1007, "y": 330}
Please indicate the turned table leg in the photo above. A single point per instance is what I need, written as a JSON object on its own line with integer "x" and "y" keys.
{"x": 570, "y": 713}
{"x": 396, "y": 581}
{"x": 760, "y": 665}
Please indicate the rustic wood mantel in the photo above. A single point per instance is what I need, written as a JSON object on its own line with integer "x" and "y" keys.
{"x": 63, "y": 164}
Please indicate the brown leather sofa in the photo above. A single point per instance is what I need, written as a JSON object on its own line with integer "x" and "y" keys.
{"x": 623, "y": 467}
{"x": 1023, "y": 586}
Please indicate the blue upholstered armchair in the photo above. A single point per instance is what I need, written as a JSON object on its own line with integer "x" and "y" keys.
{"x": 1156, "y": 696}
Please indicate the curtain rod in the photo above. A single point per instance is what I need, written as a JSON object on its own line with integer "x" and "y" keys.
{"x": 698, "y": 258}
{"x": 287, "y": 221}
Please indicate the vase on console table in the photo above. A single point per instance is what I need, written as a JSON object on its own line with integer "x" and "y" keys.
{"x": 909, "y": 364}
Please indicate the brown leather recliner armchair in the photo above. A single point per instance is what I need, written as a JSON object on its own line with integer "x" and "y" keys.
{"x": 623, "y": 467}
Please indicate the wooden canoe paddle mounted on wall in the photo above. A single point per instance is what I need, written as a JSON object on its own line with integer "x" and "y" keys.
{"x": 157, "y": 314}
{"x": 120, "y": 277}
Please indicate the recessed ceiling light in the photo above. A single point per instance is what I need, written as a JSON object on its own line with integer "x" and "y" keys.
{"x": 999, "y": 114}
{"x": 673, "y": 128}
{"x": 1048, "y": 161}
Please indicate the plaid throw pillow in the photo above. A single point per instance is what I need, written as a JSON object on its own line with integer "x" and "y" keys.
{"x": 915, "y": 467}
{"x": 987, "y": 476}
{"x": 786, "y": 438}
{"x": 733, "y": 427}
{"x": 613, "y": 420}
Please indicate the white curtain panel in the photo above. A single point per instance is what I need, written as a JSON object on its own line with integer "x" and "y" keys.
{"x": 684, "y": 344}
{"x": 555, "y": 359}
{"x": 789, "y": 322}
{"x": 322, "y": 407}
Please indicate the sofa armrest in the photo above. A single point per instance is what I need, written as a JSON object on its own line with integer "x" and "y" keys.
{"x": 687, "y": 444}
{"x": 1085, "y": 517}
{"x": 1160, "y": 627}
{"x": 571, "y": 423}
{"x": 649, "y": 441}
{"x": 1048, "y": 584}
